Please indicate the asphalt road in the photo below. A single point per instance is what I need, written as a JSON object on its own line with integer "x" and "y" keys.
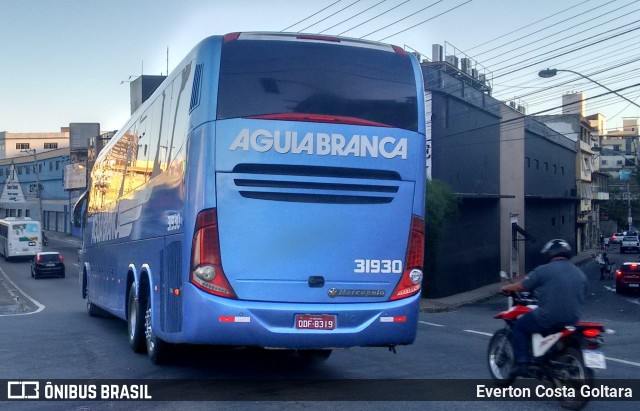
{"x": 58, "y": 340}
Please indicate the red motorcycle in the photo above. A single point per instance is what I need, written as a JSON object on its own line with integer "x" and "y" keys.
{"x": 565, "y": 358}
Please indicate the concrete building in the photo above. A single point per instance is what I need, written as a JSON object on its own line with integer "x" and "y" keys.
{"x": 575, "y": 126}
{"x": 507, "y": 169}
{"x": 41, "y": 182}
{"x": 16, "y": 144}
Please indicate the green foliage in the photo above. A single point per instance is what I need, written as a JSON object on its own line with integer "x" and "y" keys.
{"x": 441, "y": 206}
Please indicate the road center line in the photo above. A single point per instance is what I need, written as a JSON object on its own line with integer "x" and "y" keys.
{"x": 623, "y": 361}
{"x": 478, "y": 332}
{"x": 432, "y": 324}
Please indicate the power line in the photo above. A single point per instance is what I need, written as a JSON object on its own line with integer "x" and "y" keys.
{"x": 331, "y": 15}
{"x": 565, "y": 38}
{"x": 375, "y": 17}
{"x": 314, "y": 14}
{"x": 422, "y": 22}
{"x": 404, "y": 18}
{"x": 352, "y": 17}
{"x": 524, "y": 27}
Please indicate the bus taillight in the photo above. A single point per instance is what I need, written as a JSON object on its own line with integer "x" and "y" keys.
{"x": 206, "y": 264}
{"x": 411, "y": 280}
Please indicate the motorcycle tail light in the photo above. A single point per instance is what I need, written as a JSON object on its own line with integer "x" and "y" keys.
{"x": 591, "y": 333}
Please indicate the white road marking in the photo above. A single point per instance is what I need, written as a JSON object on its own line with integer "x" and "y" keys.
{"x": 40, "y": 306}
{"x": 478, "y": 332}
{"x": 623, "y": 361}
{"x": 432, "y": 324}
{"x": 635, "y": 364}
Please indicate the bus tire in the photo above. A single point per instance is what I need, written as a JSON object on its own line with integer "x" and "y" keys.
{"x": 92, "y": 309}
{"x": 135, "y": 321}
{"x": 157, "y": 350}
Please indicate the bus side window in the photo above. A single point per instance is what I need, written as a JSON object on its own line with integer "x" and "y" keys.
{"x": 161, "y": 150}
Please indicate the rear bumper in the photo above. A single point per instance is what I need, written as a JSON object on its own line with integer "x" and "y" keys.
{"x": 43, "y": 272}
{"x": 219, "y": 321}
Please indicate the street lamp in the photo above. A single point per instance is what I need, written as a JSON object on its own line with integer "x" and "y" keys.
{"x": 548, "y": 73}
{"x": 32, "y": 151}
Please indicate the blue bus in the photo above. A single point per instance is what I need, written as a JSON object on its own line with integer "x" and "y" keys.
{"x": 270, "y": 193}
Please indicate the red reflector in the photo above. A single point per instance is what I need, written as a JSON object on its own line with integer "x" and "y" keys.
{"x": 397, "y": 319}
{"x": 230, "y": 37}
{"x": 591, "y": 332}
{"x": 399, "y": 50}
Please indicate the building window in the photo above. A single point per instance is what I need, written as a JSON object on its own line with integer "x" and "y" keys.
{"x": 50, "y": 146}
{"x": 546, "y": 166}
{"x": 562, "y": 220}
{"x": 22, "y": 146}
{"x": 527, "y": 162}
{"x": 537, "y": 163}
{"x": 553, "y": 221}
{"x": 555, "y": 169}
{"x": 50, "y": 165}
{"x": 562, "y": 170}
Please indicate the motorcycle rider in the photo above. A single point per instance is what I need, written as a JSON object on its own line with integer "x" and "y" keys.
{"x": 561, "y": 289}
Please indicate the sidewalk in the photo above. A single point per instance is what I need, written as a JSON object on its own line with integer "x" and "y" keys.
{"x": 454, "y": 301}
{"x": 9, "y": 300}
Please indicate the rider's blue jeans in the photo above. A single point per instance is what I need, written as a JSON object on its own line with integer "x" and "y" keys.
{"x": 522, "y": 330}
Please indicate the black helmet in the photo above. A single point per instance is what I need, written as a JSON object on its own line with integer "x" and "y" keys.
{"x": 556, "y": 248}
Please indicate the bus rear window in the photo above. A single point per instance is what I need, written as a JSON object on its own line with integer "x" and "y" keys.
{"x": 279, "y": 78}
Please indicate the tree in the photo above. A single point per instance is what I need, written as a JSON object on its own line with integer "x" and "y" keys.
{"x": 441, "y": 206}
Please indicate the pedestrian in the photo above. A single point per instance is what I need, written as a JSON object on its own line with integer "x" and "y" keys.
{"x": 605, "y": 267}
{"x": 606, "y": 243}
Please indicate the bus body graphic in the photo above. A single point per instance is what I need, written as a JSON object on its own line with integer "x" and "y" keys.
{"x": 269, "y": 193}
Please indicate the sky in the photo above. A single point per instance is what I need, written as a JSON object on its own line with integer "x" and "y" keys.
{"x": 69, "y": 61}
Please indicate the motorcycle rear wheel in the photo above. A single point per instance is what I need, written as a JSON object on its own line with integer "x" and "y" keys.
{"x": 573, "y": 374}
{"x": 500, "y": 357}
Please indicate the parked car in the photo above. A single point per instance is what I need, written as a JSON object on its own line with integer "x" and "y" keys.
{"x": 630, "y": 242}
{"x": 49, "y": 263}
{"x": 616, "y": 238}
{"x": 628, "y": 277}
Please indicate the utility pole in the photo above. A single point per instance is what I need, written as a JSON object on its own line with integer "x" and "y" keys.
{"x": 32, "y": 151}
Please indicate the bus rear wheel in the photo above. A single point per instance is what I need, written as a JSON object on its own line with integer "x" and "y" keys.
{"x": 157, "y": 350}
{"x": 136, "y": 321}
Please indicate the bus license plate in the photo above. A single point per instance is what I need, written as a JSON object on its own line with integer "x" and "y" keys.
{"x": 315, "y": 322}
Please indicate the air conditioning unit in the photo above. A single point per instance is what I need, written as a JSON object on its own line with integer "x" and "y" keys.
{"x": 452, "y": 60}
{"x": 465, "y": 65}
{"x": 436, "y": 52}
